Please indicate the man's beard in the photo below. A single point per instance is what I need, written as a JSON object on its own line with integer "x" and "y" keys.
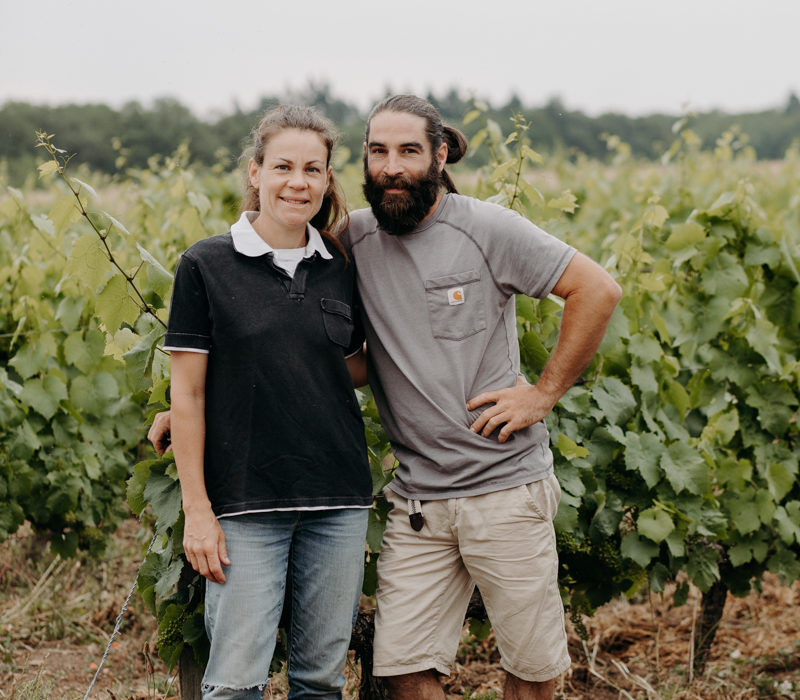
{"x": 399, "y": 213}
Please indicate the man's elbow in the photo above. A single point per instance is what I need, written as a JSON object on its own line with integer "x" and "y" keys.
{"x": 612, "y": 292}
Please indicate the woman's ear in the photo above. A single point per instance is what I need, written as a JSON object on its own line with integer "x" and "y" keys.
{"x": 252, "y": 172}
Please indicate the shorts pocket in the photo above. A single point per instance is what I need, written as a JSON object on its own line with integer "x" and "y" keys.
{"x": 543, "y": 496}
{"x": 455, "y": 305}
{"x": 338, "y": 319}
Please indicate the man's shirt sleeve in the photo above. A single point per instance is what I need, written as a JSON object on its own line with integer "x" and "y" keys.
{"x": 524, "y": 258}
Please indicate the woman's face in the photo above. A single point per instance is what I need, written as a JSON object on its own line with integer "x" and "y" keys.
{"x": 291, "y": 181}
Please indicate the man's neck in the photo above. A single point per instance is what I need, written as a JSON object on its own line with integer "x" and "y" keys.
{"x": 433, "y": 208}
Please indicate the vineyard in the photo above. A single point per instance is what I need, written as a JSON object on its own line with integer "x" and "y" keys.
{"x": 677, "y": 452}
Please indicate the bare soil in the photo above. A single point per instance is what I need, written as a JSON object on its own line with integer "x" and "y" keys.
{"x": 56, "y": 618}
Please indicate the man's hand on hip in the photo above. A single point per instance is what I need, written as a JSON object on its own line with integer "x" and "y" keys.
{"x": 517, "y": 407}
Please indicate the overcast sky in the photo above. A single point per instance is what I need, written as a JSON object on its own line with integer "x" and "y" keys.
{"x": 633, "y": 56}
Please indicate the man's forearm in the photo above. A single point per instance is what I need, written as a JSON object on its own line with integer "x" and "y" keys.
{"x": 584, "y": 321}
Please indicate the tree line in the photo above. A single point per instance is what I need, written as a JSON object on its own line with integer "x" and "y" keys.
{"x": 108, "y": 139}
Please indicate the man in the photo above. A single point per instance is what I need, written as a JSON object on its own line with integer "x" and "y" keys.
{"x": 474, "y": 495}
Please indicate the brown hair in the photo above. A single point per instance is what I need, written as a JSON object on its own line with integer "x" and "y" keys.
{"x": 332, "y": 215}
{"x": 436, "y": 131}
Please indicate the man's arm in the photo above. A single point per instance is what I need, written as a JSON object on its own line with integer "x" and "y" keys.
{"x": 203, "y": 538}
{"x": 590, "y": 295}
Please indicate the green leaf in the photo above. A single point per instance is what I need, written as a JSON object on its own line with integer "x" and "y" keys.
{"x": 566, "y": 202}
{"x": 787, "y": 522}
{"x": 654, "y": 524}
{"x": 114, "y": 306}
{"x": 69, "y": 311}
{"x": 645, "y": 347}
{"x": 678, "y": 397}
{"x": 733, "y": 473}
{"x": 88, "y": 262}
{"x": 743, "y": 512}
{"x": 376, "y": 526}
{"x": 643, "y": 453}
{"x": 82, "y": 186}
{"x": 684, "y": 236}
{"x": 139, "y": 358}
{"x": 780, "y": 480}
{"x": 158, "y": 278}
{"x": 84, "y": 353}
{"x": 721, "y": 427}
{"x": 534, "y": 354}
{"x": 763, "y": 338}
{"x": 784, "y": 563}
{"x": 637, "y": 549}
{"x": 168, "y": 579}
{"x": 655, "y": 216}
{"x": 569, "y": 449}
{"x": 136, "y": 486}
{"x": 24, "y": 442}
{"x": 47, "y": 168}
{"x": 164, "y": 496}
{"x": 644, "y": 378}
{"x": 471, "y": 116}
{"x": 685, "y": 469}
{"x": 31, "y": 359}
{"x": 703, "y": 567}
{"x": 566, "y": 519}
{"x": 614, "y": 399}
{"x": 64, "y": 212}
{"x": 44, "y": 395}
{"x": 570, "y": 480}
{"x": 43, "y": 224}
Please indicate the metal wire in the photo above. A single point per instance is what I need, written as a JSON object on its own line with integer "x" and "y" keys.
{"x": 117, "y": 625}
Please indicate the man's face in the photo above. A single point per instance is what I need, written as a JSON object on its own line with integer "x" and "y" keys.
{"x": 401, "y": 174}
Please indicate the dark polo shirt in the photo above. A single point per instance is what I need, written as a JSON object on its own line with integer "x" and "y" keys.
{"x": 283, "y": 427}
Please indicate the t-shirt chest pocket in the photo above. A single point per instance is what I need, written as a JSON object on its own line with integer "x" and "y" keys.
{"x": 338, "y": 319}
{"x": 455, "y": 305}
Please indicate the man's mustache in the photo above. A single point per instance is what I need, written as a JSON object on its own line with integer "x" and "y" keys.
{"x": 394, "y": 182}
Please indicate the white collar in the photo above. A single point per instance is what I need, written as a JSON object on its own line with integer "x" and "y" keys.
{"x": 247, "y": 242}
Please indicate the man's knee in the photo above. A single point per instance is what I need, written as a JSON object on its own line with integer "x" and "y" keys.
{"x": 518, "y": 689}
{"x": 421, "y": 685}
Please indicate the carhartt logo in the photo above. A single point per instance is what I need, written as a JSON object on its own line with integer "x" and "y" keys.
{"x": 455, "y": 296}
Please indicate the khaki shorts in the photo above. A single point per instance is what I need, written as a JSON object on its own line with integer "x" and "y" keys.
{"x": 505, "y": 543}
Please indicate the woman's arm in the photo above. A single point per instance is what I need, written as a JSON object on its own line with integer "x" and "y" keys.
{"x": 357, "y": 364}
{"x": 203, "y": 539}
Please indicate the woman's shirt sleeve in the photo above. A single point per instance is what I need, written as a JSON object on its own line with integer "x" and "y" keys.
{"x": 189, "y": 326}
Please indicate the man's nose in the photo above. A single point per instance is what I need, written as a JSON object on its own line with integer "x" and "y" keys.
{"x": 393, "y": 166}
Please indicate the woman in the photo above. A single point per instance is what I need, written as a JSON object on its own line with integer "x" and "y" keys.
{"x": 266, "y": 429}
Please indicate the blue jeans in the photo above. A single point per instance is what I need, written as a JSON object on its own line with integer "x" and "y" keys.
{"x": 241, "y": 616}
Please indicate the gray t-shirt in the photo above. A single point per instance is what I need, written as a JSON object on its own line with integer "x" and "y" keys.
{"x": 440, "y": 325}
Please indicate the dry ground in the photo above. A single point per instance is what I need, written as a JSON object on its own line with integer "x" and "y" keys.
{"x": 56, "y": 617}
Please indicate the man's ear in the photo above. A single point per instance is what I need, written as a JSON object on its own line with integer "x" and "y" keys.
{"x": 441, "y": 156}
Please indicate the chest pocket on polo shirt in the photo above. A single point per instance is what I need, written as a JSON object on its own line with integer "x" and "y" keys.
{"x": 455, "y": 305}
{"x": 338, "y": 319}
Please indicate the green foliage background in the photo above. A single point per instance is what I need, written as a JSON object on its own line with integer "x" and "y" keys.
{"x": 677, "y": 452}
